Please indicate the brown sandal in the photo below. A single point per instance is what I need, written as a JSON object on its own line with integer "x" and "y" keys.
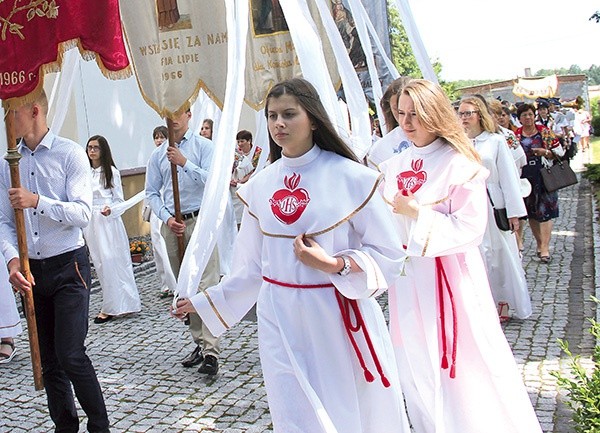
{"x": 4, "y": 358}
{"x": 545, "y": 259}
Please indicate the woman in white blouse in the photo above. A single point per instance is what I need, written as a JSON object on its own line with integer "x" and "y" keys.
{"x": 499, "y": 248}
{"x": 106, "y": 237}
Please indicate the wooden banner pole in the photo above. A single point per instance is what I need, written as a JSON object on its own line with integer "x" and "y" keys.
{"x": 175, "y": 181}
{"x": 13, "y": 156}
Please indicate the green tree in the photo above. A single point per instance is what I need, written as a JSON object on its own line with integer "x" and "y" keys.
{"x": 403, "y": 56}
{"x": 575, "y": 69}
{"x": 594, "y": 75}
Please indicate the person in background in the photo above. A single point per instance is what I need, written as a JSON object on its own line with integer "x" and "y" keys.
{"x": 160, "y": 134}
{"x": 543, "y": 114}
{"x": 246, "y": 160}
{"x": 375, "y": 129}
{"x": 56, "y": 198}
{"x": 394, "y": 141}
{"x": 499, "y": 248}
{"x": 206, "y": 130}
{"x": 582, "y": 124}
{"x": 512, "y": 110}
{"x": 10, "y": 321}
{"x": 106, "y": 238}
{"x": 561, "y": 129}
{"x": 192, "y": 154}
{"x": 306, "y": 255}
{"x": 542, "y": 206}
{"x": 161, "y": 257}
{"x": 457, "y": 370}
{"x": 502, "y": 117}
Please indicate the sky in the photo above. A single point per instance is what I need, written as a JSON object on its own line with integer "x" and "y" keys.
{"x": 483, "y": 39}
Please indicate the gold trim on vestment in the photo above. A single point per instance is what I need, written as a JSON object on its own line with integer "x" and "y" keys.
{"x": 320, "y": 232}
{"x": 214, "y": 308}
{"x": 433, "y": 219}
{"x": 428, "y": 237}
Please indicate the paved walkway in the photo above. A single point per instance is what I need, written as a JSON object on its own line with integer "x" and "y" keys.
{"x": 146, "y": 389}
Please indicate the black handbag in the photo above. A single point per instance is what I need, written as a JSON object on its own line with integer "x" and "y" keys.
{"x": 560, "y": 175}
{"x": 500, "y": 216}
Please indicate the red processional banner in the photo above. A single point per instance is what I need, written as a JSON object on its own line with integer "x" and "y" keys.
{"x": 34, "y": 34}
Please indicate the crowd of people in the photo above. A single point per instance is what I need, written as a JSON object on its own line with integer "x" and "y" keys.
{"x": 321, "y": 235}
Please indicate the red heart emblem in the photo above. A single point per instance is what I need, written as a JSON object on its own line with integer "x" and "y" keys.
{"x": 288, "y": 204}
{"x": 412, "y": 180}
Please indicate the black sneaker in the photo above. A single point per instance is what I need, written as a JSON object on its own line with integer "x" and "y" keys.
{"x": 194, "y": 358}
{"x": 209, "y": 366}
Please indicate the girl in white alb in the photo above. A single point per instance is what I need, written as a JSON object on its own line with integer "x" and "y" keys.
{"x": 107, "y": 239}
{"x": 499, "y": 248}
{"x": 394, "y": 141}
{"x": 456, "y": 367}
{"x": 308, "y": 255}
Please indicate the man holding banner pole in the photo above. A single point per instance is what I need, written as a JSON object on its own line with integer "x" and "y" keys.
{"x": 56, "y": 197}
{"x": 192, "y": 156}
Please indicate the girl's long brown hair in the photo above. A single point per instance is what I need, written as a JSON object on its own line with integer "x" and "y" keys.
{"x": 106, "y": 160}
{"x": 325, "y": 135}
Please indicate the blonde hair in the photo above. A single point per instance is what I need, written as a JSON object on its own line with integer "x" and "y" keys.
{"x": 435, "y": 112}
{"x": 41, "y": 100}
{"x": 486, "y": 121}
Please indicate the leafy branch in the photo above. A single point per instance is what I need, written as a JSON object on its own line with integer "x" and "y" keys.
{"x": 39, "y": 8}
{"x": 583, "y": 386}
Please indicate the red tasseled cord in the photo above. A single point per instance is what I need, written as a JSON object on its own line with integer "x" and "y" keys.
{"x": 441, "y": 281}
{"x": 346, "y": 305}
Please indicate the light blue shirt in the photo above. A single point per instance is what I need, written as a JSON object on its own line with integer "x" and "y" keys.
{"x": 192, "y": 176}
{"x": 58, "y": 171}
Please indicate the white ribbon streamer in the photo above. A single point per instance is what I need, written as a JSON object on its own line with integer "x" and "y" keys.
{"x": 415, "y": 40}
{"x": 307, "y": 43}
{"x": 261, "y": 139}
{"x": 358, "y": 12}
{"x": 355, "y": 98}
{"x": 119, "y": 209}
{"x": 59, "y": 99}
{"x": 216, "y": 192}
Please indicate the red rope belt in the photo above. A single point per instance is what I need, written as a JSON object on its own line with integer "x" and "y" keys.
{"x": 442, "y": 283}
{"x": 347, "y": 307}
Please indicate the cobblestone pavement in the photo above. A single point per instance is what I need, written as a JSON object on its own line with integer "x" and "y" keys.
{"x": 137, "y": 358}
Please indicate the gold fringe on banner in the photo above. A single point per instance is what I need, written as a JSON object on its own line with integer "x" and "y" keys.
{"x": 52, "y": 67}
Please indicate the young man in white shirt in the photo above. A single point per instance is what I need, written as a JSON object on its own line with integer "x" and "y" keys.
{"x": 193, "y": 156}
{"x": 56, "y": 198}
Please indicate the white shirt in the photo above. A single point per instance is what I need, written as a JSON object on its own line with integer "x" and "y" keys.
{"x": 192, "y": 176}
{"x": 106, "y": 196}
{"x": 59, "y": 172}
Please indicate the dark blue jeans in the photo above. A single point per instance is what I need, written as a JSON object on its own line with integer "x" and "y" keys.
{"x": 61, "y": 295}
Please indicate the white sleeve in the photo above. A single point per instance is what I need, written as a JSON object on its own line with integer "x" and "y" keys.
{"x": 436, "y": 234}
{"x": 380, "y": 255}
{"x": 225, "y": 304}
{"x": 509, "y": 181}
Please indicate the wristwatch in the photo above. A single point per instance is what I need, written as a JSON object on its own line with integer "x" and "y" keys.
{"x": 347, "y": 267}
